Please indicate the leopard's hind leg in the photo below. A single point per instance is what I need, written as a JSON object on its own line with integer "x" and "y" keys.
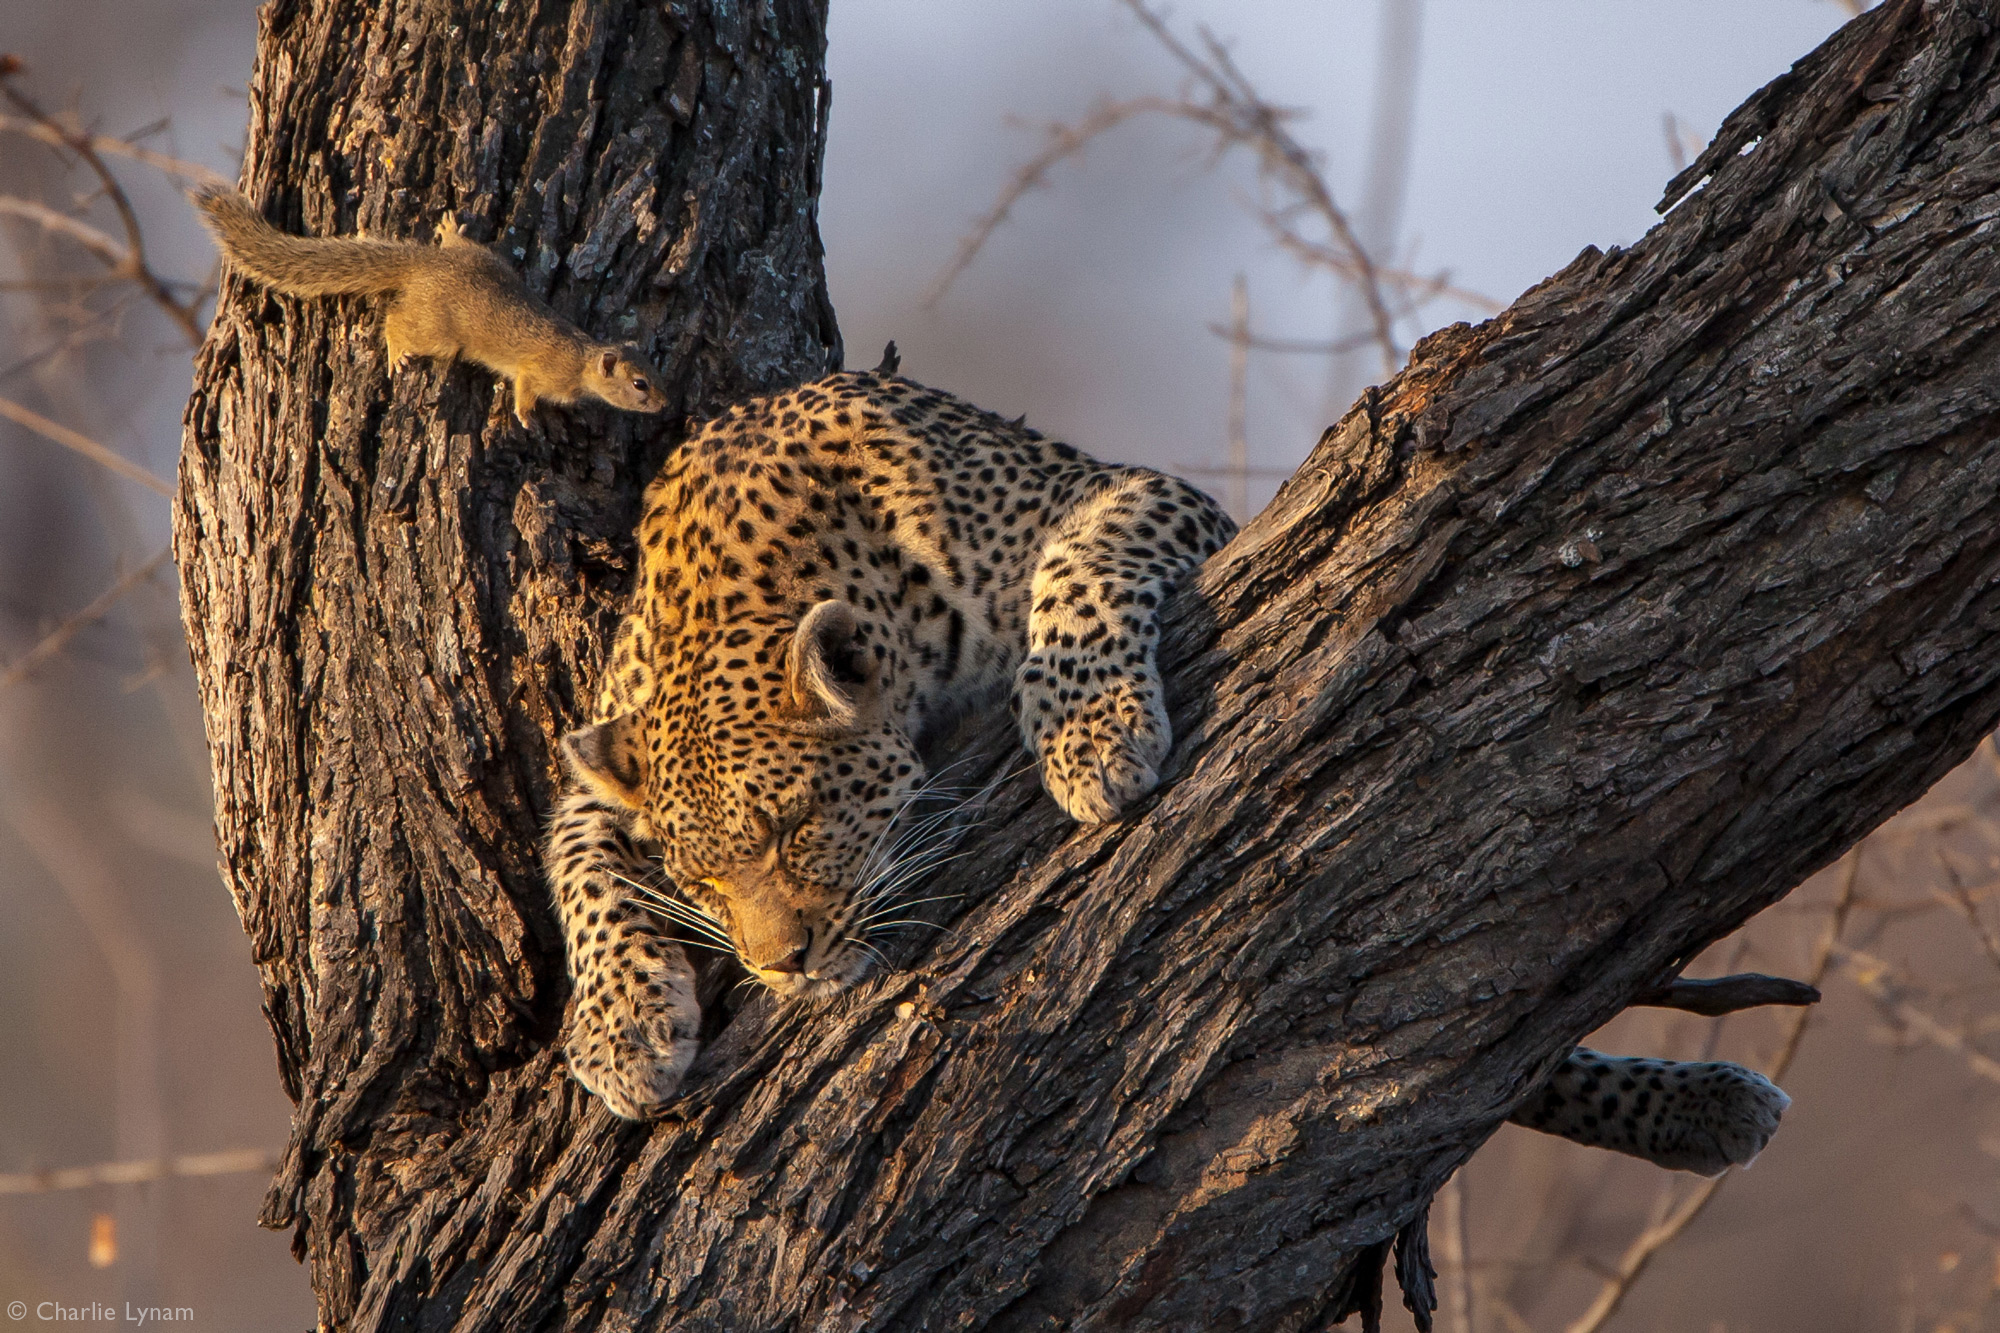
{"x": 1702, "y": 1116}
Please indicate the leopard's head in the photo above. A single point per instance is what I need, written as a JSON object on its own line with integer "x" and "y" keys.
{"x": 774, "y": 782}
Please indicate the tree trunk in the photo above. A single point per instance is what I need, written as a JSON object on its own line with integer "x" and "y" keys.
{"x": 1587, "y": 636}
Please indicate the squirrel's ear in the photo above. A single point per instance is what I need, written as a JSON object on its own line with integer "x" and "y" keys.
{"x": 607, "y": 364}
{"x": 829, "y": 677}
{"x": 609, "y": 759}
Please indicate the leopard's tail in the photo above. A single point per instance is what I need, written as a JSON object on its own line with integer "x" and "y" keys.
{"x": 299, "y": 265}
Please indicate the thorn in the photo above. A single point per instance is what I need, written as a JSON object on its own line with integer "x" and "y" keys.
{"x": 891, "y": 360}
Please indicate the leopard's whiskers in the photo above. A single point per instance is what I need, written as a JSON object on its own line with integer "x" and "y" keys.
{"x": 871, "y": 950}
{"x": 883, "y": 927}
{"x": 908, "y": 903}
{"x": 910, "y": 849}
{"x": 711, "y": 933}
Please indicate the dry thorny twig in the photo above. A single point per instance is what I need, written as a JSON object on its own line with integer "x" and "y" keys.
{"x": 1221, "y": 99}
{"x": 127, "y": 261}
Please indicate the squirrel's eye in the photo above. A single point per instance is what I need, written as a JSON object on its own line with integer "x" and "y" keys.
{"x": 642, "y": 386}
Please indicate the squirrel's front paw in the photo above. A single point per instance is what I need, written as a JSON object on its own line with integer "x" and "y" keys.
{"x": 1100, "y": 736}
{"x": 632, "y": 1043}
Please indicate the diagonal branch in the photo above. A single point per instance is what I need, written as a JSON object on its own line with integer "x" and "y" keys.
{"x": 52, "y": 644}
{"x": 1871, "y": 976}
{"x": 1064, "y": 141}
{"x": 99, "y": 242}
{"x": 232, "y": 1161}
{"x": 80, "y": 443}
{"x": 194, "y": 173}
{"x": 1582, "y": 639}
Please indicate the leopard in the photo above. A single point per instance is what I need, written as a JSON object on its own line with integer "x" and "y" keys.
{"x": 830, "y": 578}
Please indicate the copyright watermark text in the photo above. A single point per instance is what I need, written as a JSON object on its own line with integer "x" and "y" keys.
{"x": 96, "y": 1312}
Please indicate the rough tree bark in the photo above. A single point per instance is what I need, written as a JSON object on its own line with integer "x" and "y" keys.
{"x": 1584, "y": 638}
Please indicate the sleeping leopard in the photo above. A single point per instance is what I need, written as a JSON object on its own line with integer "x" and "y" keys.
{"x": 829, "y": 579}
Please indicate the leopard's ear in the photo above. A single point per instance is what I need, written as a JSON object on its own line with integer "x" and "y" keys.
{"x": 609, "y": 759}
{"x": 830, "y": 681}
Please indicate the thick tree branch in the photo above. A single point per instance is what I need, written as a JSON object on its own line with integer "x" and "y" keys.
{"x": 1585, "y": 637}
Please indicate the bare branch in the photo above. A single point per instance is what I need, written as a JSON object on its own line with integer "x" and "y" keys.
{"x": 93, "y": 239}
{"x": 1872, "y": 974}
{"x": 1639, "y": 1254}
{"x": 1261, "y": 126}
{"x": 179, "y": 169}
{"x": 1715, "y": 996}
{"x": 58, "y": 638}
{"x": 1239, "y": 399}
{"x": 1303, "y": 346}
{"x": 69, "y": 342}
{"x": 83, "y": 444}
{"x": 231, "y": 1162}
{"x": 1203, "y": 470}
{"x": 1230, "y": 108}
{"x": 71, "y": 284}
{"x": 1064, "y": 141}
{"x": 1966, "y": 901}
{"x": 1418, "y": 290}
{"x": 134, "y": 265}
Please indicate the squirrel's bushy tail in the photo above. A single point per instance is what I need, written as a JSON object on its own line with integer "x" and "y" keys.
{"x": 300, "y": 265}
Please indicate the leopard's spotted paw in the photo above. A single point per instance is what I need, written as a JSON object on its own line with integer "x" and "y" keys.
{"x": 1734, "y": 1113}
{"x": 1704, "y": 1116}
{"x": 633, "y": 1042}
{"x": 1099, "y": 731}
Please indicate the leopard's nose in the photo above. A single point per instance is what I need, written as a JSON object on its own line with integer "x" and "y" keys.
{"x": 794, "y": 962}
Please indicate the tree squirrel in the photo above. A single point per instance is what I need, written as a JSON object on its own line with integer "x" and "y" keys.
{"x": 454, "y": 299}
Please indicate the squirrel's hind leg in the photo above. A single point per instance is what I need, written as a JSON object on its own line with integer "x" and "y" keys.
{"x": 417, "y": 328}
{"x": 525, "y": 399}
{"x": 396, "y": 337}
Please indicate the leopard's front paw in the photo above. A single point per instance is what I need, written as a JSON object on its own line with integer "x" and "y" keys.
{"x": 632, "y": 1043}
{"x": 1100, "y": 732}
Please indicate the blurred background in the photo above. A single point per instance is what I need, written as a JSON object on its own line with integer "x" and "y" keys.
{"x": 1166, "y": 251}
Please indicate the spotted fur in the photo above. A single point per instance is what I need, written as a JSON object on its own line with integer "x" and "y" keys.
{"x": 1702, "y": 1116}
{"x": 829, "y": 579}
